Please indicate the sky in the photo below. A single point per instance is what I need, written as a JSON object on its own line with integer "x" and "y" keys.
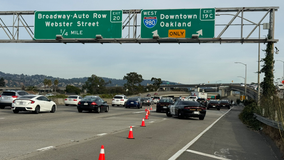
{"x": 182, "y": 63}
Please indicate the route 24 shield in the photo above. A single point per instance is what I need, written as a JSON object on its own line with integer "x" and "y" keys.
{"x": 150, "y": 22}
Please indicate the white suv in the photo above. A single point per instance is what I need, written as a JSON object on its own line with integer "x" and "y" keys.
{"x": 8, "y": 96}
{"x": 119, "y": 100}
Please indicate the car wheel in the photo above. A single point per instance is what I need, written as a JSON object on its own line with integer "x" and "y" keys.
{"x": 218, "y": 108}
{"x": 180, "y": 116}
{"x": 66, "y": 104}
{"x": 169, "y": 114}
{"x": 201, "y": 117}
{"x": 98, "y": 109}
{"x": 15, "y": 111}
{"x": 80, "y": 110}
{"x": 2, "y": 107}
{"x": 208, "y": 108}
{"x": 112, "y": 105}
{"x": 37, "y": 109}
{"x": 53, "y": 109}
{"x": 229, "y": 107}
{"x": 107, "y": 109}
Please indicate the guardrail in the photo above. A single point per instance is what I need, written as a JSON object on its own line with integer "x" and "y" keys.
{"x": 269, "y": 122}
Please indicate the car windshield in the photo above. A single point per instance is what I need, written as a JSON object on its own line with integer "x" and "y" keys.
{"x": 118, "y": 97}
{"x": 133, "y": 99}
{"x": 72, "y": 97}
{"x": 156, "y": 97}
{"x": 27, "y": 97}
{"x": 90, "y": 98}
{"x": 166, "y": 100}
{"x": 188, "y": 103}
{"x": 214, "y": 102}
{"x": 8, "y": 93}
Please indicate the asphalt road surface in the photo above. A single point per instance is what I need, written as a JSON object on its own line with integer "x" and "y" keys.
{"x": 69, "y": 135}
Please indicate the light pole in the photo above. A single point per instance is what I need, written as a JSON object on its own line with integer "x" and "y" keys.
{"x": 283, "y": 68}
{"x": 245, "y": 77}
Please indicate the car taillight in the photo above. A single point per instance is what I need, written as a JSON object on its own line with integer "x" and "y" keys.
{"x": 79, "y": 102}
{"x": 32, "y": 102}
{"x": 93, "y": 103}
{"x": 66, "y": 99}
{"x": 0, "y": 95}
{"x": 15, "y": 96}
{"x": 122, "y": 100}
{"x": 75, "y": 100}
{"x": 112, "y": 99}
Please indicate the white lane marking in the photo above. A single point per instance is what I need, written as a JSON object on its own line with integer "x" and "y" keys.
{"x": 207, "y": 155}
{"x": 46, "y": 148}
{"x": 139, "y": 112}
{"x": 176, "y": 155}
{"x": 102, "y": 134}
{"x": 151, "y": 121}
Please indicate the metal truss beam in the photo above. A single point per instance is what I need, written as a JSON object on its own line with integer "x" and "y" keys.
{"x": 131, "y": 28}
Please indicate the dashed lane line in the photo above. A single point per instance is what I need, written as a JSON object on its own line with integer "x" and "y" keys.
{"x": 45, "y": 148}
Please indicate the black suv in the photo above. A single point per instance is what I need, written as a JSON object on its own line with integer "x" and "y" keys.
{"x": 7, "y": 97}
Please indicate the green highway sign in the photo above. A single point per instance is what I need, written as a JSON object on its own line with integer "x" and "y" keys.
{"x": 78, "y": 24}
{"x": 178, "y": 23}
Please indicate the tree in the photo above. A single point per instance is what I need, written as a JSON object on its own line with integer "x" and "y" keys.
{"x": 72, "y": 89}
{"x": 267, "y": 85}
{"x": 49, "y": 83}
{"x": 133, "y": 82}
{"x": 2, "y": 82}
{"x": 95, "y": 85}
{"x": 45, "y": 83}
{"x": 31, "y": 88}
{"x": 157, "y": 82}
{"x": 55, "y": 84}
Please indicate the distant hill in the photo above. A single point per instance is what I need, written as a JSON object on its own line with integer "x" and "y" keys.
{"x": 16, "y": 80}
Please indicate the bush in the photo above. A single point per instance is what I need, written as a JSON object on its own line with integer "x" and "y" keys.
{"x": 58, "y": 96}
{"x": 107, "y": 95}
{"x": 247, "y": 117}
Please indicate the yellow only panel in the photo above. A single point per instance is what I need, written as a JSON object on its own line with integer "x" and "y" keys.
{"x": 177, "y": 33}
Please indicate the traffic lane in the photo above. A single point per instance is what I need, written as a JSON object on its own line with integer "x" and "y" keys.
{"x": 229, "y": 138}
{"x": 158, "y": 140}
{"x": 65, "y": 126}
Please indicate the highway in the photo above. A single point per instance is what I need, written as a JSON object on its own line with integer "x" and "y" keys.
{"x": 67, "y": 134}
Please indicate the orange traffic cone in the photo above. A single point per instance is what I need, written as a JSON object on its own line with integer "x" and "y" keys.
{"x": 143, "y": 123}
{"x": 130, "y": 135}
{"x": 148, "y": 111}
{"x": 145, "y": 109}
{"x": 146, "y": 117}
{"x": 102, "y": 153}
{"x": 151, "y": 108}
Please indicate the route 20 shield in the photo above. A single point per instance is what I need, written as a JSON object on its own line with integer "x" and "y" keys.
{"x": 150, "y": 22}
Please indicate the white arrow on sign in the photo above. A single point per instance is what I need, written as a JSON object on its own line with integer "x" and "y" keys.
{"x": 155, "y": 33}
{"x": 199, "y": 32}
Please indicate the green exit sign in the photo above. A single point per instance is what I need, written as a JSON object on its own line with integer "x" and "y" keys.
{"x": 178, "y": 23}
{"x": 78, "y": 24}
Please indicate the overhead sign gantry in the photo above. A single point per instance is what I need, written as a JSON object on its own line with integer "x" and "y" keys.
{"x": 122, "y": 26}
